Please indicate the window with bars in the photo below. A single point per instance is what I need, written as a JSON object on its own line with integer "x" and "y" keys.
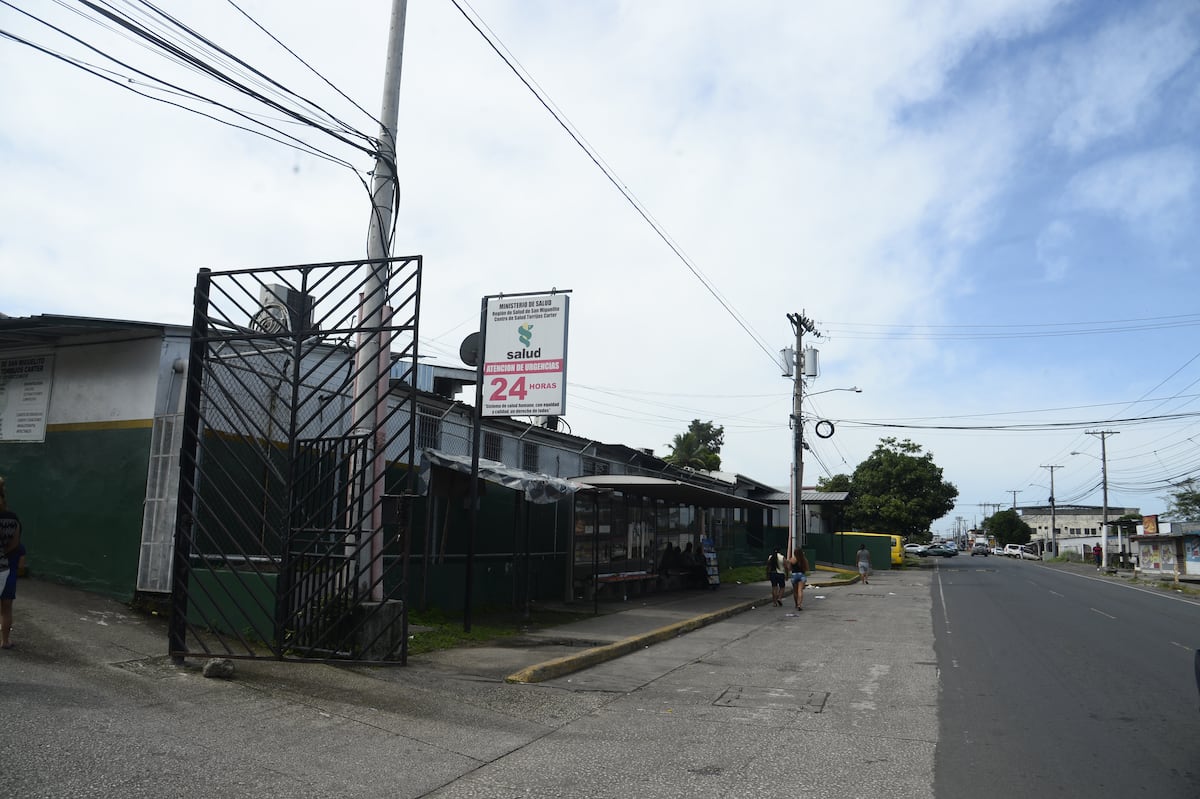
{"x": 595, "y": 466}
{"x": 493, "y": 448}
{"x": 529, "y": 457}
{"x": 429, "y": 431}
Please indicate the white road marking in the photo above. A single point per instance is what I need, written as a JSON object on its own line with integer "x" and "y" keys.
{"x": 1150, "y": 591}
{"x": 1056, "y": 593}
{"x": 1102, "y": 613}
{"x": 942, "y": 594}
{"x": 1181, "y": 646}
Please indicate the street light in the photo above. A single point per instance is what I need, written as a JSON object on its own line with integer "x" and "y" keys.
{"x": 798, "y": 364}
{"x": 855, "y": 389}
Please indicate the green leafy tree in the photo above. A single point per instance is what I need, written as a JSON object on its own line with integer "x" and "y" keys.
{"x": 710, "y": 436}
{"x": 899, "y": 489}
{"x": 699, "y": 447}
{"x": 1184, "y": 503}
{"x": 837, "y": 482}
{"x": 1008, "y": 527}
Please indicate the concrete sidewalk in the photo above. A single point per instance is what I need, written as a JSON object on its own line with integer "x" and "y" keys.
{"x": 617, "y": 629}
{"x": 648, "y": 620}
{"x": 51, "y": 617}
{"x": 96, "y": 708}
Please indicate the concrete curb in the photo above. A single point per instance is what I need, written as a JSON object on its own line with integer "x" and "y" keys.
{"x": 568, "y": 664}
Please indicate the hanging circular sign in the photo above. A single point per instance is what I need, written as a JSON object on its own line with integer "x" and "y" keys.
{"x": 823, "y": 428}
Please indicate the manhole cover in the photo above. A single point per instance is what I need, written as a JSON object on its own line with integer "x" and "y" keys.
{"x": 753, "y": 696}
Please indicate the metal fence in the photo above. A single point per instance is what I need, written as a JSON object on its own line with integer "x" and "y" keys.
{"x": 297, "y": 463}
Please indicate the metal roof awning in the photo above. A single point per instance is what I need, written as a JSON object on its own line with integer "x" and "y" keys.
{"x": 669, "y": 490}
{"x": 46, "y": 329}
{"x": 539, "y": 488}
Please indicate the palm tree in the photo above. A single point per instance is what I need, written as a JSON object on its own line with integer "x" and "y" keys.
{"x": 686, "y": 450}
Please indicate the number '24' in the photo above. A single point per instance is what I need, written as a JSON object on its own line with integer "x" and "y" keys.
{"x": 504, "y": 391}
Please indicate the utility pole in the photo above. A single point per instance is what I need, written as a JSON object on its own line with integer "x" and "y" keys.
{"x": 1103, "y": 436}
{"x": 800, "y": 325}
{"x": 1014, "y": 492}
{"x": 367, "y": 362}
{"x": 1053, "y": 520}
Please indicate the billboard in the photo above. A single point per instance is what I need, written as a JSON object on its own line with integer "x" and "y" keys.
{"x": 525, "y": 355}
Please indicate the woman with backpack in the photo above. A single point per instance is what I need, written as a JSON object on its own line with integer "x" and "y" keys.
{"x": 777, "y": 575}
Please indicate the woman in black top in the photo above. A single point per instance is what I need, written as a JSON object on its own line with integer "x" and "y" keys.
{"x": 10, "y": 557}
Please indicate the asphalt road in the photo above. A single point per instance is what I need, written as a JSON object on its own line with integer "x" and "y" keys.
{"x": 1063, "y": 684}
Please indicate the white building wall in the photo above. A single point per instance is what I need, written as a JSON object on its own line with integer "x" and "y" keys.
{"x": 106, "y": 382}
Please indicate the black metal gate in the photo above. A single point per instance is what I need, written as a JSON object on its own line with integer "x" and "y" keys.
{"x": 297, "y": 463}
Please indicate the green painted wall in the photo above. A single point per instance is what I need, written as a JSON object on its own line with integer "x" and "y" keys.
{"x": 80, "y": 496}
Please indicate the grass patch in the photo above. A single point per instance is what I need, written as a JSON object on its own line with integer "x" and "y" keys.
{"x": 445, "y": 630}
{"x": 744, "y": 574}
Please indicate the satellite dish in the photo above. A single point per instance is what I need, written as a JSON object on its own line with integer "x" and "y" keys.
{"x": 468, "y": 351}
{"x": 272, "y": 319}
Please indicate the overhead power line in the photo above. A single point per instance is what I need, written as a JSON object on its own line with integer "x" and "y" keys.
{"x": 544, "y": 99}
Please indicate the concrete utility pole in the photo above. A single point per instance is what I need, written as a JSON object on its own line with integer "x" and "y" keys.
{"x": 1053, "y": 520}
{"x": 1014, "y": 492}
{"x": 800, "y": 325}
{"x": 367, "y": 362}
{"x": 1103, "y": 436}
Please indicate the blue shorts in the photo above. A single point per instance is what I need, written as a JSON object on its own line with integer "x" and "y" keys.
{"x": 8, "y": 578}
{"x": 798, "y": 577}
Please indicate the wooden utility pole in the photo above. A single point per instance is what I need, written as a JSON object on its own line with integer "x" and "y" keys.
{"x": 1103, "y": 436}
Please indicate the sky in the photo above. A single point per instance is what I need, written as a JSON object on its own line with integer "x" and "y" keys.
{"x": 987, "y": 209}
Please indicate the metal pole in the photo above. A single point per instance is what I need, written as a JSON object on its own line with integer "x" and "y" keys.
{"x": 476, "y": 434}
{"x": 189, "y": 471}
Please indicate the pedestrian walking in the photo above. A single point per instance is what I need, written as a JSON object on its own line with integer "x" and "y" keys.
{"x": 777, "y": 574}
{"x": 864, "y": 563}
{"x": 1098, "y": 554}
{"x": 798, "y": 565}
{"x": 10, "y": 557}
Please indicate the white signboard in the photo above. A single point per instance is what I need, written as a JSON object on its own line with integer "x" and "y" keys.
{"x": 25, "y": 397}
{"x": 525, "y": 355}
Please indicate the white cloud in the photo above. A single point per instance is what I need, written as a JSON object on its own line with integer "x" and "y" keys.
{"x": 1111, "y": 80}
{"x": 1153, "y": 191}
{"x": 1053, "y": 250}
{"x": 838, "y": 160}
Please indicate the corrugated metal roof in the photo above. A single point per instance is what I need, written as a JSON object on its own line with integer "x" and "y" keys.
{"x": 670, "y": 490}
{"x": 44, "y": 330}
{"x": 807, "y": 496}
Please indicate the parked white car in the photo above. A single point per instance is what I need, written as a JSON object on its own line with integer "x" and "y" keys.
{"x": 1030, "y": 553}
{"x": 1012, "y": 550}
{"x": 916, "y": 549}
{"x": 997, "y": 550}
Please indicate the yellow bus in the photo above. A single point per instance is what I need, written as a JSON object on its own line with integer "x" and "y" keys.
{"x": 897, "y": 544}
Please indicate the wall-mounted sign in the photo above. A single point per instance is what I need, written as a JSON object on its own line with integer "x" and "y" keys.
{"x": 525, "y": 355}
{"x": 25, "y": 397}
